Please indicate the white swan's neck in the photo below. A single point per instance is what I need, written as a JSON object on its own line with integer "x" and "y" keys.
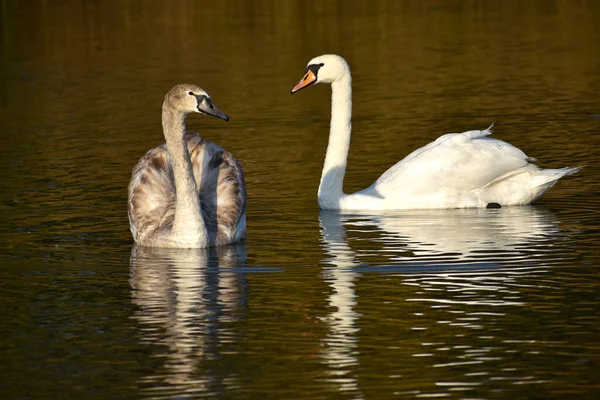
{"x": 332, "y": 178}
{"x": 188, "y": 223}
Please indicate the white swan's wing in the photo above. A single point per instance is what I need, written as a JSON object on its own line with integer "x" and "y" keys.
{"x": 220, "y": 182}
{"x": 458, "y": 161}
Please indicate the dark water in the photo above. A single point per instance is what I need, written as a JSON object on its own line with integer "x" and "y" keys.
{"x": 426, "y": 304}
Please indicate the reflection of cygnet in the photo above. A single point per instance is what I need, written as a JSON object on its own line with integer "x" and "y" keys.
{"x": 186, "y": 297}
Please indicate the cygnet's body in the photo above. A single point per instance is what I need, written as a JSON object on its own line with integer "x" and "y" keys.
{"x": 188, "y": 192}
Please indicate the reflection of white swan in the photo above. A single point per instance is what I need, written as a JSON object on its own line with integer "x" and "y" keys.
{"x": 455, "y": 306}
{"x": 458, "y": 170}
{"x": 340, "y": 352}
{"x": 430, "y": 242}
{"x": 466, "y": 234}
{"x": 433, "y": 293}
{"x": 186, "y": 299}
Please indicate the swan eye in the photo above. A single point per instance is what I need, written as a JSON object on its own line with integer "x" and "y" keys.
{"x": 191, "y": 93}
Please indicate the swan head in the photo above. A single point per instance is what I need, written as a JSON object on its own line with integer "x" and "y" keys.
{"x": 188, "y": 98}
{"x": 327, "y": 68}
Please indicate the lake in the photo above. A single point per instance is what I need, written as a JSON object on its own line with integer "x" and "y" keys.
{"x": 469, "y": 304}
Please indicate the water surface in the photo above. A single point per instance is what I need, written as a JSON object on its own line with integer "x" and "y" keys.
{"x": 448, "y": 303}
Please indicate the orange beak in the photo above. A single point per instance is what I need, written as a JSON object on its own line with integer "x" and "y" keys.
{"x": 309, "y": 79}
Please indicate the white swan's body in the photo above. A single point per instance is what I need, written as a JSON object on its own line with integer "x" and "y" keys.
{"x": 188, "y": 192}
{"x": 459, "y": 170}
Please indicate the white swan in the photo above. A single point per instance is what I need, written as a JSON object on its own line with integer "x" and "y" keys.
{"x": 188, "y": 192}
{"x": 458, "y": 170}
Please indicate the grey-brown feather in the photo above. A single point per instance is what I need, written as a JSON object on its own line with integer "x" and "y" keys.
{"x": 220, "y": 182}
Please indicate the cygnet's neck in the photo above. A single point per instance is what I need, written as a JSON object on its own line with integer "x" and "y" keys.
{"x": 332, "y": 178}
{"x": 188, "y": 222}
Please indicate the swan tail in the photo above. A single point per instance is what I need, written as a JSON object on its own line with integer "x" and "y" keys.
{"x": 547, "y": 176}
{"x": 522, "y": 186}
{"x": 570, "y": 171}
